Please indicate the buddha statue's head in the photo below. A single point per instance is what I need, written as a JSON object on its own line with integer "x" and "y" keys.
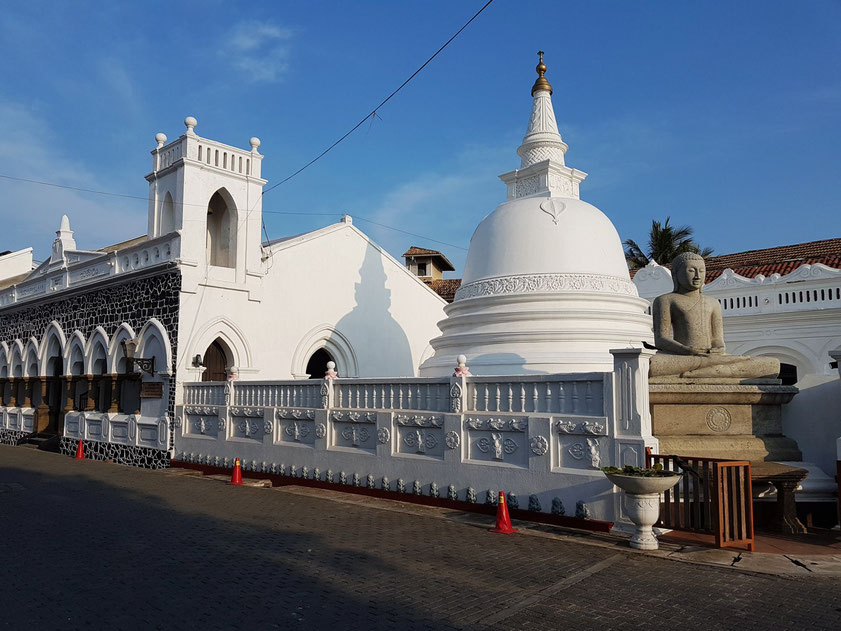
{"x": 688, "y": 271}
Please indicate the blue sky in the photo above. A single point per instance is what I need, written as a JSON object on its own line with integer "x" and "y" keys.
{"x": 724, "y": 116}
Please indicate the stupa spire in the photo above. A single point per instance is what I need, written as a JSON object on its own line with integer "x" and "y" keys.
{"x": 541, "y": 83}
{"x": 542, "y": 140}
{"x": 542, "y": 168}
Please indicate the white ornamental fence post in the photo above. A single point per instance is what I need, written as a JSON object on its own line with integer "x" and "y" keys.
{"x": 458, "y": 386}
{"x": 328, "y": 393}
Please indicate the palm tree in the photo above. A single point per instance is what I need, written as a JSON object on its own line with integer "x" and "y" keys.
{"x": 664, "y": 243}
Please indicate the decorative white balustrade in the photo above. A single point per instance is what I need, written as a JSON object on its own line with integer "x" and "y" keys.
{"x": 561, "y": 394}
{"x": 393, "y": 394}
{"x": 210, "y": 153}
{"x": 88, "y": 267}
{"x": 298, "y": 393}
{"x": 540, "y": 436}
{"x": 204, "y": 393}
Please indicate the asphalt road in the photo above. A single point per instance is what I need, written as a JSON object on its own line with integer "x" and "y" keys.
{"x": 92, "y": 545}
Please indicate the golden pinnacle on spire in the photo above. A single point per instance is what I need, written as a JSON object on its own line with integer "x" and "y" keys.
{"x": 541, "y": 83}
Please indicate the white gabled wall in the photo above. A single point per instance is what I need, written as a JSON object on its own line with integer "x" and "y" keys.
{"x": 331, "y": 285}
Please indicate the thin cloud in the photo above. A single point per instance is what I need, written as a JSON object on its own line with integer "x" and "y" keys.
{"x": 31, "y": 213}
{"x": 260, "y": 50}
{"x": 444, "y": 204}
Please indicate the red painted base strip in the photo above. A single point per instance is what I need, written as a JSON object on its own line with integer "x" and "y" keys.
{"x": 594, "y": 525}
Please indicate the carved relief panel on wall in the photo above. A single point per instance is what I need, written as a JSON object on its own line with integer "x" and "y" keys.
{"x": 498, "y": 439}
{"x": 420, "y": 434}
{"x": 581, "y": 441}
{"x": 296, "y": 426}
{"x": 355, "y": 430}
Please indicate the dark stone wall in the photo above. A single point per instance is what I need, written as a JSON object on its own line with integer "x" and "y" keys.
{"x": 120, "y": 454}
{"x": 133, "y": 301}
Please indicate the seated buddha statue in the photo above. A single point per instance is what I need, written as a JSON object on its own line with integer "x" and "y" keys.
{"x": 689, "y": 334}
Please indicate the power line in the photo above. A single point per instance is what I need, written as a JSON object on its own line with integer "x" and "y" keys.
{"x": 271, "y": 212}
{"x": 82, "y": 190}
{"x": 373, "y": 113}
{"x": 419, "y": 236}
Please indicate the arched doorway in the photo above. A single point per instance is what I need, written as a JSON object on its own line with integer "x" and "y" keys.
{"x": 215, "y": 362}
{"x": 55, "y": 395}
{"x": 317, "y": 363}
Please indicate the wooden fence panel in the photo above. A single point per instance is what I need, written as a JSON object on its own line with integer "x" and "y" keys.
{"x": 713, "y": 497}
{"x": 733, "y": 504}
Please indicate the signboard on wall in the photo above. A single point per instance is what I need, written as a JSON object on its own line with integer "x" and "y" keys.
{"x": 151, "y": 390}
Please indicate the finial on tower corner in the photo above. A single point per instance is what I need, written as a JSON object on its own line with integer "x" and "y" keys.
{"x": 190, "y": 123}
{"x": 541, "y": 83}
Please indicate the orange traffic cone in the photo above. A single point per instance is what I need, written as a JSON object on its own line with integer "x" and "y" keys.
{"x": 236, "y": 478}
{"x": 80, "y": 452}
{"x": 503, "y": 521}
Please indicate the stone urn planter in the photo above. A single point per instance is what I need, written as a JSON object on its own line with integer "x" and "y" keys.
{"x": 642, "y": 489}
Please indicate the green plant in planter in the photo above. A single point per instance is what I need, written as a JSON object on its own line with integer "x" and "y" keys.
{"x": 654, "y": 472}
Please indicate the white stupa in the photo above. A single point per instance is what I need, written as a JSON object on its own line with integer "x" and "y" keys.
{"x": 546, "y": 287}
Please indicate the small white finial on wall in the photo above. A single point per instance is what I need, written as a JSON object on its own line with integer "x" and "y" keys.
{"x": 160, "y": 138}
{"x": 190, "y": 122}
{"x": 462, "y": 370}
{"x": 255, "y": 143}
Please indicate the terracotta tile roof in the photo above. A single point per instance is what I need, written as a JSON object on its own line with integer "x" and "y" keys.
{"x": 444, "y": 287}
{"x": 781, "y": 260}
{"x": 444, "y": 262}
{"x": 412, "y": 251}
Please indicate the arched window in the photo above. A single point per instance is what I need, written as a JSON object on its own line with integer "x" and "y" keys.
{"x": 167, "y": 220}
{"x": 221, "y": 232}
{"x": 317, "y": 363}
{"x": 215, "y": 362}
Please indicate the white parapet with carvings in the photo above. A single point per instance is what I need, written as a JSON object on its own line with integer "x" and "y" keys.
{"x": 80, "y": 268}
{"x": 132, "y": 430}
{"x": 541, "y": 437}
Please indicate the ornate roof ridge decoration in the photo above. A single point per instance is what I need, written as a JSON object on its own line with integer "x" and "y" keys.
{"x": 807, "y": 271}
{"x": 546, "y": 283}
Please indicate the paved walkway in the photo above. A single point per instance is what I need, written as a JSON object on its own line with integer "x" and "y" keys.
{"x": 93, "y": 545}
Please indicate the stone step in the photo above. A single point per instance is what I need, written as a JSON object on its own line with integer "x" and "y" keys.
{"x": 42, "y": 441}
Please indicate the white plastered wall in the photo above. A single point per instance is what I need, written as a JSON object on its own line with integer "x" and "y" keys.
{"x": 332, "y": 287}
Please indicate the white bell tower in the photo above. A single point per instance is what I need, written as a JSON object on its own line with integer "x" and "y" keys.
{"x": 211, "y": 194}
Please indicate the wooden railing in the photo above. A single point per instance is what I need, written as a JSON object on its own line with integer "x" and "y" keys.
{"x": 713, "y": 497}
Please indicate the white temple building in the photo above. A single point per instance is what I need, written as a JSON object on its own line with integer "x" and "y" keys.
{"x": 205, "y": 298}
{"x": 198, "y": 342}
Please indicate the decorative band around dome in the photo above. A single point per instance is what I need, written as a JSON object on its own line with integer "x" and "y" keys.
{"x": 545, "y": 283}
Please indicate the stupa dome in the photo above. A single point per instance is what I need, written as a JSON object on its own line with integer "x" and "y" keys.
{"x": 546, "y": 286}
{"x": 564, "y": 235}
